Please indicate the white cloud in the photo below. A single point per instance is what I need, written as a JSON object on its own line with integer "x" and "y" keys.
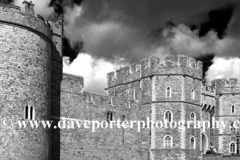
{"x": 224, "y": 68}
{"x": 182, "y": 40}
{"x": 109, "y": 39}
{"x": 93, "y": 70}
{"x": 71, "y": 14}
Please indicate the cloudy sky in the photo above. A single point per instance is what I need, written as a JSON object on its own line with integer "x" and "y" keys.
{"x": 116, "y": 32}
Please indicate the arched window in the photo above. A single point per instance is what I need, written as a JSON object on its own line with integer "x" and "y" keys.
{"x": 193, "y": 117}
{"x": 29, "y": 112}
{"x": 32, "y": 113}
{"x": 109, "y": 116}
{"x": 168, "y": 116}
{"x": 26, "y": 112}
{"x": 232, "y": 148}
{"x": 193, "y": 94}
{"x": 167, "y": 142}
{"x": 168, "y": 92}
{"x": 233, "y": 109}
{"x": 192, "y": 143}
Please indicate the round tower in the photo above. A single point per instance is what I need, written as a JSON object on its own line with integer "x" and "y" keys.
{"x": 25, "y": 82}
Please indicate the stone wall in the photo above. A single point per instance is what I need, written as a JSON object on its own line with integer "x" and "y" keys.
{"x": 104, "y": 144}
{"x": 25, "y": 69}
{"x": 224, "y": 86}
{"x": 182, "y": 105}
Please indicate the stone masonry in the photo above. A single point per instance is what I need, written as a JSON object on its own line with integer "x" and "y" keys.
{"x": 31, "y": 75}
{"x": 25, "y": 62}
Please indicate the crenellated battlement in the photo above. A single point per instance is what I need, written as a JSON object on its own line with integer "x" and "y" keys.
{"x": 24, "y": 17}
{"x": 224, "y": 86}
{"x": 208, "y": 90}
{"x": 57, "y": 26}
{"x": 156, "y": 65}
{"x": 106, "y": 101}
{"x": 72, "y": 83}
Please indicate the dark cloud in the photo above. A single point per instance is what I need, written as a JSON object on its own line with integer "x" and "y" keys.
{"x": 218, "y": 21}
{"x": 71, "y": 47}
{"x": 59, "y": 5}
{"x": 71, "y": 50}
{"x": 136, "y": 29}
{"x": 207, "y": 62}
{"x": 7, "y": 1}
{"x": 133, "y": 29}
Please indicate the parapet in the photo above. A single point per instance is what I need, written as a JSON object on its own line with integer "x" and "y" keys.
{"x": 57, "y": 26}
{"x": 101, "y": 100}
{"x": 108, "y": 102}
{"x": 224, "y": 86}
{"x": 24, "y": 17}
{"x": 208, "y": 90}
{"x": 156, "y": 65}
{"x": 72, "y": 83}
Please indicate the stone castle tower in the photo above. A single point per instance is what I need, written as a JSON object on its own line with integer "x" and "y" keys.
{"x": 27, "y": 57}
{"x": 171, "y": 86}
{"x": 228, "y": 110}
{"x": 167, "y": 88}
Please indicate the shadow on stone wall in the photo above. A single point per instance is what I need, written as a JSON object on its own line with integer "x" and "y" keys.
{"x": 55, "y": 104}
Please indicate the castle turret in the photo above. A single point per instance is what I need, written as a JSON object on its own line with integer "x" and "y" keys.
{"x": 171, "y": 86}
{"x": 28, "y": 8}
{"x": 227, "y": 110}
{"x": 25, "y": 82}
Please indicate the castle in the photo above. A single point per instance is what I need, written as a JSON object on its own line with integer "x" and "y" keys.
{"x": 33, "y": 87}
